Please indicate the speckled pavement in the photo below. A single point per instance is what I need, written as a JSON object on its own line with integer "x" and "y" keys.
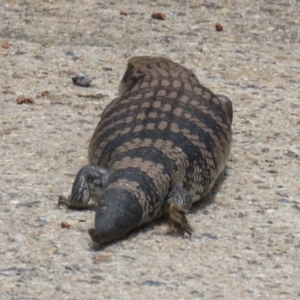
{"x": 247, "y": 232}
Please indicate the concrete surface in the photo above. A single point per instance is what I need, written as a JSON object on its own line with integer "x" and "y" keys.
{"x": 247, "y": 234}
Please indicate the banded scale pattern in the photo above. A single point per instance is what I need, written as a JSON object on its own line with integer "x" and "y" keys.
{"x": 159, "y": 147}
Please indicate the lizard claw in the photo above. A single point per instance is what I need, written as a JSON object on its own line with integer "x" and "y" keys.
{"x": 64, "y": 200}
{"x": 179, "y": 221}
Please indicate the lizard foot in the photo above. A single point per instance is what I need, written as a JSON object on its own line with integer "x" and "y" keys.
{"x": 179, "y": 221}
{"x": 64, "y": 200}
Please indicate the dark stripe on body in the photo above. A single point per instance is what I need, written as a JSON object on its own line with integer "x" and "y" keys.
{"x": 213, "y": 107}
{"x": 146, "y": 185}
{"x": 150, "y": 154}
{"x": 204, "y": 117}
{"x": 193, "y": 152}
{"x": 165, "y": 134}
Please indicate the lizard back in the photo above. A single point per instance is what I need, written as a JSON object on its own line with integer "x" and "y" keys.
{"x": 164, "y": 129}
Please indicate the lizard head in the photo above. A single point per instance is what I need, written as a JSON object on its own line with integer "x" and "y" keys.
{"x": 139, "y": 67}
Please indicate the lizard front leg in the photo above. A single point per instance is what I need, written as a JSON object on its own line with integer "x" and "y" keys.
{"x": 89, "y": 182}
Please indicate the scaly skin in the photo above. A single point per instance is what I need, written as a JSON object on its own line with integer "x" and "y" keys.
{"x": 159, "y": 147}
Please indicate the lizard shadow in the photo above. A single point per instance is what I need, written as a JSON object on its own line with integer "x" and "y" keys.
{"x": 210, "y": 197}
{"x": 200, "y": 205}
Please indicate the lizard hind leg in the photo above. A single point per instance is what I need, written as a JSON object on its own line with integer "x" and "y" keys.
{"x": 178, "y": 204}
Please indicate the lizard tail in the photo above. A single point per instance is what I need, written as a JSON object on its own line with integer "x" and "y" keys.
{"x": 118, "y": 213}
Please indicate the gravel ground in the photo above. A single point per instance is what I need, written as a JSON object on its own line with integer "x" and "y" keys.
{"x": 247, "y": 233}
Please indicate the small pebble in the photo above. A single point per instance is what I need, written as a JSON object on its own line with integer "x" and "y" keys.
{"x": 82, "y": 80}
{"x": 70, "y": 53}
{"x": 5, "y": 45}
{"x": 20, "y": 53}
{"x": 158, "y": 16}
{"x": 219, "y": 27}
{"x": 22, "y": 99}
{"x": 65, "y": 224}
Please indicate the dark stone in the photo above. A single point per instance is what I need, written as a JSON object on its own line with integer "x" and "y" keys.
{"x": 129, "y": 257}
{"x": 197, "y": 294}
{"x": 20, "y": 53}
{"x": 28, "y": 205}
{"x": 287, "y": 201}
{"x": 70, "y": 53}
{"x": 39, "y": 57}
{"x": 152, "y": 283}
{"x": 42, "y": 222}
{"x": 290, "y": 153}
{"x": 210, "y": 236}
